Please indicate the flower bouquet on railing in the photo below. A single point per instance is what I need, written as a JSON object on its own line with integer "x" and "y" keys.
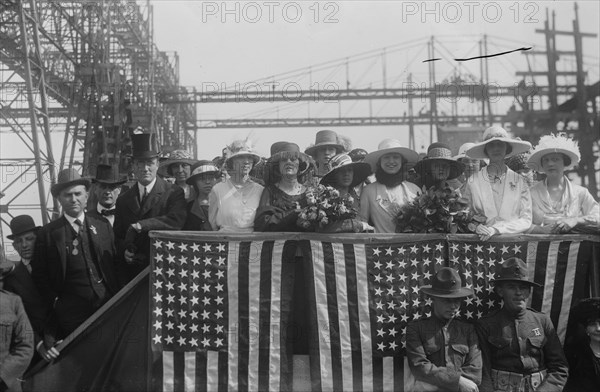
{"x": 437, "y": 211}
{"x": 325, "y": 207}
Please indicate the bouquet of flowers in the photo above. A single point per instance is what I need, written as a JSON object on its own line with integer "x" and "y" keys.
{"x": 437, "y": 211}
{"x": 324, "y": 205}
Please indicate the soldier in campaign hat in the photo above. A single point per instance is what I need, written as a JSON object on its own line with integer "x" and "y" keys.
{"x": 521, "y": 350}
{"x": 443, "y": 353}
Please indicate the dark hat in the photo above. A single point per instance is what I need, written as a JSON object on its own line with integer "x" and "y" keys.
{"x": 21, "y": 224}
{"x": 202, "y": 167}
{"x": 447, "y": 284}
{"x": 358, "y": 154}
{"x": 284, "y": 150}
{"x": 68, "y": 178}
{"x": 108, "y": 175}
{"x": 586, "y": 310}
{"x": 144, "y": 145}
{"x": 361, "y": 170}
{"x": 513, "y": 270}
{"x": 325, "y": 138}
{"x": 440, "y": 152}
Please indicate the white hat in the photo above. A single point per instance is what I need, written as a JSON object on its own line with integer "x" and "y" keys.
{"x": 494, "y": 133}
{"x": 388, "y": 146}
{"x": 549, "y": 144}
{"x": 462, "y": 151}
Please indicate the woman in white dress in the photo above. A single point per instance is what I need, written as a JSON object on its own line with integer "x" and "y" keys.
{"x": 232, "y": 203}
{"x": 380, "y": 201}
{"x": 559, "y": 206}
{"x": 497, "y": 192}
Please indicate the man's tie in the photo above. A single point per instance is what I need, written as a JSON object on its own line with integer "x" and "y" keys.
{"x": 79, "y": 224}
{"x": 108, "y": 212}
{"x": 145, "y": 196}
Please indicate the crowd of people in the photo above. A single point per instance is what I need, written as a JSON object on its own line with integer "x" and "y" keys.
{"x": 72, "y": 266}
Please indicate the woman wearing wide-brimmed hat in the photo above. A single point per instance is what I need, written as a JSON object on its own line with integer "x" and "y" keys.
{"x": 583, "y": 352}
{"x": 178, "y": 165}
{"x": 381, "y": 200}
{"x": 443, "y": 353}
{"x": 327, "y": 145}
{"x": 497, "y": 192}
{"x": 439, "y": 169}
{"x": 344, "y": 176}
{"x": 204, "y": 175}
{"x": 284, "y": 188}
{"x": 559, "y": 206}
{"x": 232, "y": 203}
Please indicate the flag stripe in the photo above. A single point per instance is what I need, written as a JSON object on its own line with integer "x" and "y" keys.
{"x": 550, "y": 272}
{"x": 532, "y": 251}
{"x": 233, "y": 278}
{"x": 569, "y": 285}
{"x": 388, "y": 374}
{"x": 377, "y": 373}
{"x": 265, "y": 327}
{"x": 539, "y": 266}
{"x": 362, "y": 290}
{"x": 201, "y": 370}
{"x": 350, "y": 265}
{"x": 254, "y": 298}
{"x": 168, "y": 372}
{"x": 343, "y": 315}
{"x": 338, "y": 311}
{"x": 399, "y": 372}
{"x": 559, "y": 280}
{"x": 273, "y": 379}
{"x": 322, "y": 318}
{"x": 190, "y": 371}
{"x": 178, "y": 371}
{"x": 244, "y": 323}
{"x": 212, "y": 370}
{"x": 220, "y": 359}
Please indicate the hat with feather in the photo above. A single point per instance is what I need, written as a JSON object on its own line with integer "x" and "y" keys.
{"x": 554, "y": 143}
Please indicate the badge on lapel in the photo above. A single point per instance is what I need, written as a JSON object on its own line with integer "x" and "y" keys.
{"x": 536, "y": 332}
{"x": 93, "y": 229}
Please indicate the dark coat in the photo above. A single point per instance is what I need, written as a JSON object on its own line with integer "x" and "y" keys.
{"x": 50, "y": 260}
{"x": 21, "y": 283}
{"x": 164, "y": 209}
{"x": 197, "y": 218}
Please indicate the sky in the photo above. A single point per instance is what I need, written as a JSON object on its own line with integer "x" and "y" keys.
{"x": 228, "y": 43}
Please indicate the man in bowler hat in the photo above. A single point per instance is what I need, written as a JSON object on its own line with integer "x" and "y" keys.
{"x": 108, "y": 184}
{"x": 150, "y": 204}
{"x": 18, "y": 278}
{"x": 73, "y": 262}
{"x": 443, "y": 353}
{"x": 521, "y": 351}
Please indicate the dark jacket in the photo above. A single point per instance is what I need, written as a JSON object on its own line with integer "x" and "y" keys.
{"x": 20, "y": 282}
{"x": 584, "y": 367}
{"x": 441, "y": 357}
{"x": 164, "y": 209}
{"x": 526, "y": 344}
{"x": 16, "y": 344}
{"x": 49, "y": 269}
{"x": 197, "y": 218}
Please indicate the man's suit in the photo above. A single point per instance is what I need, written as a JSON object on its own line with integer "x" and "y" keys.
{"x": 73, "y": 285}
{"x": 20, "y": 282}
{"x": 163, "y": 209}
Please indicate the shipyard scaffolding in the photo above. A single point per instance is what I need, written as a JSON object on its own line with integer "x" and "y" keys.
{"x": 77, "y": 79}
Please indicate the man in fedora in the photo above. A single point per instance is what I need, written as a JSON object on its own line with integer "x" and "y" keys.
{"x": 443, "y": 353}
{"x": 150, "y": 204}
{"x": 18, "y": 279}
{"x": 108, "y": 184}
{"x": 521, "y": 351}
{"x": 73, "y": 262}
{"x": 327, "y": 145}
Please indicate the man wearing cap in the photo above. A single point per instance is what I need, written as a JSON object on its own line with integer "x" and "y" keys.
{"x": 327, "y": 145}
{"x": 443, "y": 353}
{"x": 18, "y": 278}
{"x": 108, "y": 184}
{"x": 150, "y": 204}
{"x": 521, "y": 350}
{"x": 16, "y": 342}
{"x": 73, "y": 262}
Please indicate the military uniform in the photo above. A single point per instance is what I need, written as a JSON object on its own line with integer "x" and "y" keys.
{"x": 440, "y": 352}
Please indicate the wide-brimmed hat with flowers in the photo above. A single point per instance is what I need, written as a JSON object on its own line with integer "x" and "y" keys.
{"x": 554, "y": 143}
{"x": 202, "y": 167}
{"x": 325, "y": 138}
{"x": 388, "y": 146}
{"x": 360, "y": 170}
{"x": 446, "y": 284}
{"x": 495, "y": 133}
{"x": 239, "y": 148}
{"x": 176, "y": 156}
{"x": 440, "y": 152}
